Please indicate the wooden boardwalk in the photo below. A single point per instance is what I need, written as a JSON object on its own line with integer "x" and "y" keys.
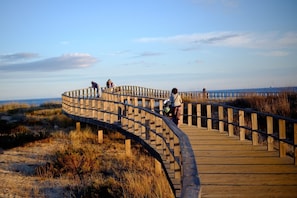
{"x": 231, "y": 168}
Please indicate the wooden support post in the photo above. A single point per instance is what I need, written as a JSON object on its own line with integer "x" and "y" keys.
{"x": 161, "y": 107}
{"x": 230, "y": 122}
{"x": 198, "y": 115}
{"x": 77, "y": 126}
{"x": 158, "y": 167}
{"x": 152, "y": 104}
{"x": 241, "y": 125}
{"x": 128, "y": 147}
{"x": 135, "y": 101}
{"x": 255, "y": 136}
{"x": 221, "y": 117}
{"x": 208, "y": 113}
{"x": 282, "y": 136}
{"x": 181, "y": 118}
{"x": 189, "y": 114}
{"x": 269, "y": 124}
{"x": 100, "y": 136}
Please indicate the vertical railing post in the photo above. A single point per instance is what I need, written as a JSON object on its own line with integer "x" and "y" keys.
{"x": 82, "y": 107}
{"x": 282, "y": 136}
{"x": 152, "y": 104}
{"x": 181, "y": 118}
{"x": 269, "y": 124}
{"x": 198, "y": 109}
{"x": 87, "y": 107}
{"x": 221, "y": 117}
{"x": 177, "y": 170}
{"x": 208, "y": 113}
{"x": 241, "y": 125}
{"x": 230, "y": 122}
{"x": 135, "y": 103}
{"x": 104, "y": 111}
{"x": 190, "y": 114}
{"x": 161, "y": 106}
{"x": 255, "y": 136}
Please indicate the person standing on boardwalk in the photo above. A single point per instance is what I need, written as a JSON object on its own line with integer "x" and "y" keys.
{"x": 95, "y": 86}
{"x": 176, "y": 102}
{"x": 109, "y": 83}
{"x": 204, "y": 94}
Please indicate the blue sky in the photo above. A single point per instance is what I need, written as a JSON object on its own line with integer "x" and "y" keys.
{"x": 51, "y": 46}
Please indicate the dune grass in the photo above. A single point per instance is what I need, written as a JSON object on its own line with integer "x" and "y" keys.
{"x": 285, "y": 104}
{"x": 104, "y": 170}
{"x": 23, "y": 123}
{"x": 83, "y": 167}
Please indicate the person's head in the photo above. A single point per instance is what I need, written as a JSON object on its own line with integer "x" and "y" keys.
{"x": 174, "y": 91}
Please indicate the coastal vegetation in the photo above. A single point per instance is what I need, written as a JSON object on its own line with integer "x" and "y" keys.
{"x": 284, "y": 105}
{"x": 104, "y": 170}
{"x": 77, "y": 166}
{"x": 23, "y": 123}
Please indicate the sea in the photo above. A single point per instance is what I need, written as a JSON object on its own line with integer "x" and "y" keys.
{"x": 40, "y": 101}
{"x": 257, "y": 90}
{"x": 36, "y": 101}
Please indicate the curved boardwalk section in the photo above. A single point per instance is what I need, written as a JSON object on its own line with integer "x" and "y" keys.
{"x": 226, "y": 152}
{"x": 232, "y": 168}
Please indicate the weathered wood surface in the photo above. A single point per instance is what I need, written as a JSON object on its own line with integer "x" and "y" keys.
{"x": 229, "y": 167}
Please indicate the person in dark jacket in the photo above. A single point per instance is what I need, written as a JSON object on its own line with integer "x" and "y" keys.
{"x": 95, "y": 86}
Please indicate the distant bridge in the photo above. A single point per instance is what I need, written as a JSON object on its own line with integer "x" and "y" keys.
{"x": 219, "y": 151}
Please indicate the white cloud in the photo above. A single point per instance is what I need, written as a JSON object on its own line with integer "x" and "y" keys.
{"x": 289, "y": 38}
{"x": 67, "y": 61}
{"x": 17, "y": 57}
{"x": 266, "y": 40}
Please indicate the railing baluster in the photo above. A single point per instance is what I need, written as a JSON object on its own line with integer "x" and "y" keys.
{"x": 282, "y": 136}
{"x": 269, "y": 121}
{"x": 241, "y": 125}
{"x": 255, "y": 136}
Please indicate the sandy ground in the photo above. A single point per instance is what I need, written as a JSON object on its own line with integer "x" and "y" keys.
{"x": 17, "y": 172}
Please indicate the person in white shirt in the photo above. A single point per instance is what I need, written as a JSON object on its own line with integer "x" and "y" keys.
{"x": 176, "y": 102}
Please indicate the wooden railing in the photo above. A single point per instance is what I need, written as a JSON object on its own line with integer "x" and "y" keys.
{"x": 138, "y": 118}
{"x": 217, "y": 95}
{"x": 138, "y": 111}
{"x": 277, "y": 132}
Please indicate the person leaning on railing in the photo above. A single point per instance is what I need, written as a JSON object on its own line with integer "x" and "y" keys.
{"x": 176, "y": 102}
{"x": 95, "y": 86}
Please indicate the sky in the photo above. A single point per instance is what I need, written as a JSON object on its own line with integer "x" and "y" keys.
{"x": 48, "y": 47}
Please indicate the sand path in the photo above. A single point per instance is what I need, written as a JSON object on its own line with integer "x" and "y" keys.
{"x": 17, "y": 168}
